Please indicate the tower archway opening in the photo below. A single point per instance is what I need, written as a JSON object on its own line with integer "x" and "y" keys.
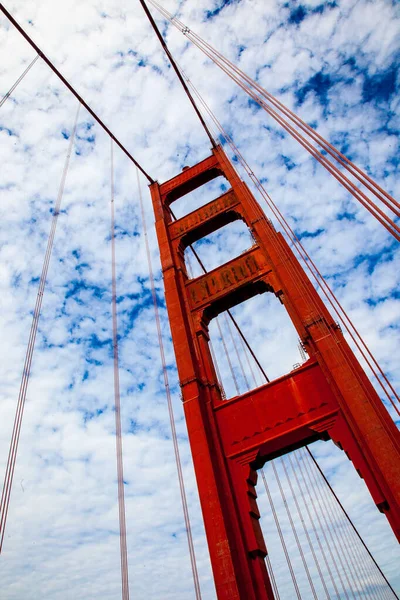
{"x": 199, "y": 196}
{"x": 218, "y": 247}
{"x": 269, "y": 331}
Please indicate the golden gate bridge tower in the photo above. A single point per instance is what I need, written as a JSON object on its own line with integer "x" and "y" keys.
{"x": 328, "y": 397}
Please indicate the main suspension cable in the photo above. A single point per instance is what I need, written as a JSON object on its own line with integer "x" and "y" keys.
{"x": 259, "y": 95}
{"x": 169, "y": 402}
{"x": 18, "y": 81}
{"x": 73, "y": 91}
{"x": 309, "y": 263}
{"x": 177, "y": 71}
{"x": 302, "y": 252}
{"x": 117, "y": 400}
{"x": 13, "y": 450}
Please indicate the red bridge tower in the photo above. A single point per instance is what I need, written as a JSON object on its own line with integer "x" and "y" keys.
{"x": 329, "y": 396}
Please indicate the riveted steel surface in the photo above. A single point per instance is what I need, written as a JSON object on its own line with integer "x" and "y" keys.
{"x": 250, "y": 266}
{"x": 328, "y": 397}
{"x": 203, "y": 215}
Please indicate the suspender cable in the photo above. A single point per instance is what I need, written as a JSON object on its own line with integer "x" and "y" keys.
{"x": 363, "y": 571}
{"x": 305, "y": 504}
{"x": 177, "y": 71}
{"x": 327, "y": 528}
{"x": 217, "y": 371}
{"x": 237, "y": 352}
{"x": 337, "y": 541}
{"x": 73, "y": 91}
{"x": 294, "y": 530}
{"x": 280, "y": 533}
{"x": 308, "y": 488}
{"x": 300, "y": 513}
{"x": 232, "y": 318}
{"x": 117, "y": 400}
{"x": 248, "y": 362}
{"x": 272, "y": 577}
{"x": 12, "y": 455}
{"x": 363, "y": 565}
{"x": 169, "y": 402}
{"x": 248, "y": 346}
{"x": 20, "y": 78}
{"x": 228, "y": 358}
{"x": 350, "y": 521}
{"x": 190, "y": 268}
{"x": 349, "y": 555}
{"x": 365, "y": 576}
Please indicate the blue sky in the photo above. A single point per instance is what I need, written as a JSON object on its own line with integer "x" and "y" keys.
{"x": 336, "y": 65}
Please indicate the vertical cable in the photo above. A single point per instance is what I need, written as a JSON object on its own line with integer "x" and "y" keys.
{"x": 300, "y": 513}
{"x": 362, "y": 575}
{"x": 314, "y": 528}
{"x": 340, "y": 540}
{"x": 249, "y": 348}
{"x": 117, "y": 400}
{"x": 278, "y": 526}
{"x": 18, "y": 81}
{"x": 272, "y": 577}
{"x": 248, "y": 362}
{"x": 189, "y": 263}
{"x": 13, "y": 450}
{"x": 293, "y": 527}
{"x": 237, "y": 352}
{"x": 169, "y": 402}
{"x": 327, "y": 528}
{"x": 215, "y": 362}
{"x": 318, "y": 512}
{"x": 228, "y": 357}
{"x": 350, "y": 522}
{"x": 342, "y": 537}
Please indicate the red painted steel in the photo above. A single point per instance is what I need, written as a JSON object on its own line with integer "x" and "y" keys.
{"x": 328, "y": 397}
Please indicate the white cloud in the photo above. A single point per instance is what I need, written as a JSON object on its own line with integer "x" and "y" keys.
{"x": 62, "y": 534}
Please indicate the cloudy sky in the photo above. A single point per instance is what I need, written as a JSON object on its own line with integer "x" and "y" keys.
{"x": 336, "y": 65}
